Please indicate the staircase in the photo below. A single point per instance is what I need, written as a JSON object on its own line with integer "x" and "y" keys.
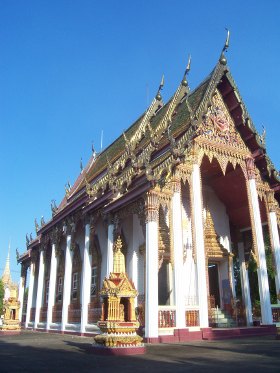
{"x": 221, "y": 319}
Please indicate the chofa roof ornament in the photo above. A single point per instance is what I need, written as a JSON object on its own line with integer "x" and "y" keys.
{"x": 223, "y": 59}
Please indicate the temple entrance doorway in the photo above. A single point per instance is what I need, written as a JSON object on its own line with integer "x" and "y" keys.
{"x": 214, "y": 289}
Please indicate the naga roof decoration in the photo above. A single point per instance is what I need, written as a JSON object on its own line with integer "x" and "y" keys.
{"x": 160, "y": 139}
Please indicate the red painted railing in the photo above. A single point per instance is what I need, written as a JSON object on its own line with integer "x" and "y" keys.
{"x": 166, "y": 317}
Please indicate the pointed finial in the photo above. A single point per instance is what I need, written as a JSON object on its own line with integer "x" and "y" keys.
{"x": 188, "y": 65}
{"x": 227, "y": 41}
{"x": 81, "y": 164}
{"x": 184, "y": 80}
{"x": 158, "y": 96}
{"x": 223, "y": 59}
{"x": 93, "y": 151}
{"x": 36, "y": 225}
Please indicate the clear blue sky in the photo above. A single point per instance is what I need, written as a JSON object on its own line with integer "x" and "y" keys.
{"x": 70, "y": 69}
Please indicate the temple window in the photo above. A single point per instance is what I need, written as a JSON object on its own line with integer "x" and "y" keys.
{"x": 75, "y": 282}
{"x": 47, "y": 291}
{"x": 59, "y": 288}
{"x": 94, "y": 281}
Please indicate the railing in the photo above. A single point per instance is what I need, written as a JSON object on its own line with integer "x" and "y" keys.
{"x": 275, "y": 313}
{"x": 166, "y": 317}
{"x": 192, "y": 317}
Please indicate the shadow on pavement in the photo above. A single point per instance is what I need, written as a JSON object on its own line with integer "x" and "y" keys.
{"x": 41, "y": 352}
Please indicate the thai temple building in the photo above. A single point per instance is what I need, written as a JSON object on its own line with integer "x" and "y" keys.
{"x": 188, "y": 188}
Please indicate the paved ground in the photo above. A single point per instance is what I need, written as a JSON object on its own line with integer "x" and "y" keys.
{"x": 40, "y": 352}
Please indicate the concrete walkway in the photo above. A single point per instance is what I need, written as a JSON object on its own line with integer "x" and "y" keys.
{"x": 41, "y": 352}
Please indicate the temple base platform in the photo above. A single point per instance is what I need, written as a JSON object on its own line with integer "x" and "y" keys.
{"x": 186, "y": 335}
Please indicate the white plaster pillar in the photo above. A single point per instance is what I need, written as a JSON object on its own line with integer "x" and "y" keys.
{"x": 40, "y": 288}
{"x": 245, "y": 284}
{"x": 21, "y": 289}
{"x": 52, "y": 286}
{"x": 151, "y": 293}
{"x": 67, "y": 283}
{"x": 178, "y": 255}
{"x": 262, "y": 269}
{"x": 30, "y": 293}
{"x": 198, "y": 233}
{"x": 134, "y": 274}
{"x": 275, "y": 244}
{"x": 86, "y": 281}
{"x": 110, "y": 244}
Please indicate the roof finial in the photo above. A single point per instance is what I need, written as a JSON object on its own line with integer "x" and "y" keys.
{"x": 223, "y": 59}
{"x": 227, "y": 41}
{"x": 184, "y": 80}
{"x": 158, "y": 96}
{"x": 81, "y": 165}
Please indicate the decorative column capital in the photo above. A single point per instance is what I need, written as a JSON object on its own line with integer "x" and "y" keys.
{"x": 151, "y": 206}
{"x": 271, "y": 202}
{"x": 250, "y": 168}
{"x": 175, "y": 185}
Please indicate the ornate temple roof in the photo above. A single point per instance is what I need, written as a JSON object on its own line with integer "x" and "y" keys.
{"x": 161, "y": 136}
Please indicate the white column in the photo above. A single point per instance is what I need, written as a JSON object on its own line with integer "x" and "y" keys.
{"x": 86, "y": 281}
{"x": 245, "y": 285}
{"x": 151, "y": 293}
{"x": 275, "y": 248}
{"x": 52, "y": 286}
{"x": 67, "y": 283}
{"x": 110, "y": 243}
{"x": 134, "y": 274}
{"x": 178, "y": 255}
{"x": 199, "y": 246}
{"x": 262, "y": 269}
{"x": 30, "y": 293}
{"x": 21, "y": 289}
{"x": 40, "y": 288}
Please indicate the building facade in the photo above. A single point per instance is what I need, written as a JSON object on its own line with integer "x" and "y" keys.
{"x": 184, "y": 187}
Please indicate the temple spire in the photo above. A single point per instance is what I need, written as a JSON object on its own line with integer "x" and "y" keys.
{"x": 119, "y": 261}
{"x": 6, "y": 278}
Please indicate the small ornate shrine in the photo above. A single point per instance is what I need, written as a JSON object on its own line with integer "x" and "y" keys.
{"x": 10, "y": 318}
{"x": 10, "y": 321}
{"x": 118, "y": 322}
